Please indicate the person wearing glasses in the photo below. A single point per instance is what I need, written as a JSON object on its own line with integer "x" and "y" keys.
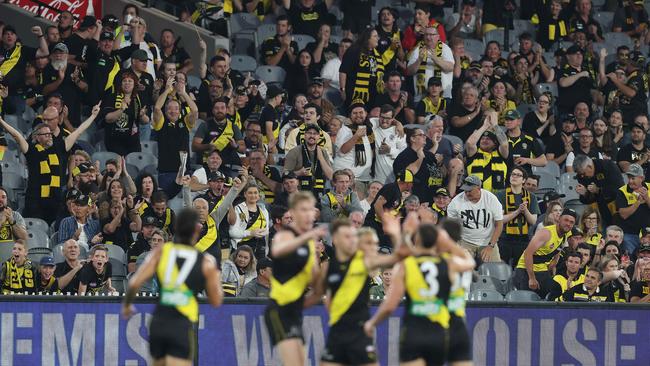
{"x": 586, "y": 147}
{"x": 598, "y": 182}
{"x": 525, "y": 150}
{"x": 431, "y": 58}
{"x": 591, "y": 225}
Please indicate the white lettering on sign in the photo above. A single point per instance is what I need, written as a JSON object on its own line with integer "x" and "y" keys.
{"x": 55, "y": 342}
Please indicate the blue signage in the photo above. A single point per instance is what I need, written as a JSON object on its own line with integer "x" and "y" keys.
{"x": 93, "y": 333}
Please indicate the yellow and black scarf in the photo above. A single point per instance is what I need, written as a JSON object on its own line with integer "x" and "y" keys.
{"x": 427, "y": 62}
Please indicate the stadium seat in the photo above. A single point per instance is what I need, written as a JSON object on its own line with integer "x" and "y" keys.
{"x": 547, "y": 87}
{"x": 118, "y": 267}
{"x": 551, "y": 167}
{"x": 494, "y": 35}
{"x": 488, "y": 283}
{"x": 485, "y": 295}
{"x": 522, "y": 26}
{"x": 605, "y": 18}
{"x": 243, "y": 43}
{"x": 141, "y": 160}
{"x": 13, "y": 181}
{"x": 334, "y": 96}
{"x": 243, "y": 63}
{"x": 549, "y": 57}
{"x": 175, "y": 204}
{"x": 103, "y": 157}
{"x": 116, "y": 252}
{"x": 618, "y": 39}
{"x": 302, "y": 40}
{"x": 522, "y": 296}
{"x": 271, "y": 74}
{"x": 547, "y": 181}
{"x": 37, "y": 239}
{"x": 242, "y": 21}
{"x": 597, "y": 46}
{"x": 263, "y": 32}
{"x": 119, "y": 283}
{"x": 6, "y": 251}
{"x": 193, "y": 81}
{"x": 150, "y": 147}
{"x": 524, "y": 109}
{"x": 567, "y": 187}
{"x": 454, "y": 140}
{"x": 17, "y": 122}
{"x": 577, "y": 206}
{"x": 35, "y": 254}
{"x": 33, "y": 223}
{"x": 474, "y": 48}
{"x": 499, "y": 270}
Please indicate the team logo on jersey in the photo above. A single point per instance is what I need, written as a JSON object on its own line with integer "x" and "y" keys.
{"x": 524, "y": 145}
{"x": 303, "y": 252}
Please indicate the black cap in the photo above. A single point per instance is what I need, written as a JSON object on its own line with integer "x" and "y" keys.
{"x": 72, "y": 194}
{"x": 82, "y": 168}
{"x": 434, "y": 81}
{"x": 552, "y": 196}
{"x": 570, "y": 118}
{"x": 141, "y": 55}
{"x": 9, "y": 28}
{"x": 273, "y": 91}
{"x": 240, "y": 90}
{"x": 111, "y": 21}
{"x": 149, "y": 220}
{"x": 316, "y": 81}
{"x": 442, "y": 192}
{"x": 82, "y": 200}
{"x": 636, "y": 125}
{"x": 255, "y": 82}
{"x": 469, "y": 2}
{"x": 214, "y": 176}
{"x": 356, "y": 104}
{"x": 491, "y": 135}
{"x": 574, "y": 49}
{"x": 106, "y": 36}
{"x": 576, "y": 231}
{"x": 645, "y": 231}
{"x": 263, "y": 263}
{"x": 475, "y": 65}
{"x": 88, "y": 22}
{"x": 289, "y": 175}
{"x": 570, "y": 212}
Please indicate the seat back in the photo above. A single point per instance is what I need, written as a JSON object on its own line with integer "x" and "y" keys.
{"x": 485, "y": 295}
{"x": 271, "y": 74}
{"x": 103, "y": 157}
{"x": 522, "y": 296}
{"x": 499, "y": 270}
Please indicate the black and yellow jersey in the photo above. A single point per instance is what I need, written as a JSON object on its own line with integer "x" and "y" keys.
{"x": 458, "y": 293}
{"x": 292, "y": 274}
{"x": 349, "y": 287}
{"x": 18, "y": 278}
{"x": 543, "y": 257}
{"x": 427, "y": 290}
{"x": 180, "y": 277}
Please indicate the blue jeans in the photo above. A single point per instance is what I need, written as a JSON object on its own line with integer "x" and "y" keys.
{"x": 145, "y": 132}
{"x": 630, "y": 243}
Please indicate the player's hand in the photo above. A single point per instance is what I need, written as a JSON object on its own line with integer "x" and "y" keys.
{"x": 391, "y": 224}
{"x": 533, "y": 284}
{"x": 369, "y": 329}
{"x": 127, "y": 311}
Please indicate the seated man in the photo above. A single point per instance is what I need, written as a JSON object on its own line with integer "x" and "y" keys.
{"x": 590, "y": 290}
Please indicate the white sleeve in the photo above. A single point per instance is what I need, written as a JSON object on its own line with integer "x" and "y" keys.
{"x": 201, "y": 176}
{"x": 415, "y": 54}
{"x": 342, "y": 137}
{"x": 569, "y": 159}
{"x": 452, "y": 210}
{"x": 495, "y": 207}
{"x": 447, "y": 54}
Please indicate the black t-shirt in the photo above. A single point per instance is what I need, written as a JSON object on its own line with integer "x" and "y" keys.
{"x": 16, "y": 76}
{"x": 78, "y": 47}
{"x": 427, "y": 179}
{"x": 145, "y": 90}
{"x": 61, "y": 270}
{"x": 637, "y": 104}
{"x": 580, "y": 91}
{"x": 121, "y": 237}
{"x": 127, "y": 124}
{"x": 530, "y": 125}
{"x": 174, "y": 137}
{"x": 331, "y": 47}
{"x": 463, "y": 132}
{"x": 178, "y": 55}
{"x": 70, "y": 92}
{"x": 639, "y": 289}
{"x": 391, "y": 194}
{"x": 523, "y": 146}
{"x": 50, "y": 287}
{"x": 271, "y": 47}
{"x": 384, "y": 98}
{"x": 270, "y": 114}
{"x": 94, "y": 281}
{"x": 307, "y": 21}
{"x": 164, "y": 222}
{"x": 139, "y": 246}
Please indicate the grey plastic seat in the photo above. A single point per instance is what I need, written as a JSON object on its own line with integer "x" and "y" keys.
{"x": 243, "y": 63}
{"x": 33, "y": 223}
{"x": 119, "y": 283}
{"x": 488, "y": 283}
{"x": 547, "y": 87}
{"x": 302, "y": 40}
{"x": 606, "y": 19}
{"x": 141, "y": 159}
{"x": 499, "y": 270}
{"x": 522, "y": 296}
{"x": 193, "y": 81}
{"x": 263, "y": 32}
{"x": 103, "y": 157}
{"x": 37, "y": 239}
{"x": 493, "y": 35}
{"x": 485, "y": 295}
{"x": 617, "y": 39}
{"x": 547, "y": 181}
{"x": 116, "y": 252}
{"x": 118, "y": 267}
{"x": 15, "y": 167}
{"x": 271, "y": 74}
{"x": 474, "y": 47}
{"x": 551, "y": 167}
{"x": 13, "y": 181}
{"x": 524, "y": 109}
{"x": 242, "y": 21}
{"x": 150, "y": 147}
{"x": 6, "y": 251}
{"x": 35, "y": 254}
{"x": 455, "y": 140}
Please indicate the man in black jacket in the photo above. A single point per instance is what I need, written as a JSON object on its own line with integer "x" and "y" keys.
{"x": 598, "y": 182}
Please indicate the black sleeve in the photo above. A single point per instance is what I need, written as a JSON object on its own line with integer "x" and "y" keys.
{"x": 267, "y": 48}
{"x": 420, "y": 110}
{"x": 636, "y": 289}
{"x": 624, "y": 154}
{"x": 125, "y": 53}
{"x": 348, "y": 62}
{"x": 568, "y": 294}
{"x": 182, "y": 56}
{"x": 29, "y": 53}
{"x": 86, "y": 274}
{"x": 538, "y": 150}
{"x": 109, "y": 270}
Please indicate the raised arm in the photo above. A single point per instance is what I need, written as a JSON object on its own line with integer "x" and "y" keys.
{"x": 285, "y": 242}
{"x": 18, "y": 137}
{"x": 72, "y": 138}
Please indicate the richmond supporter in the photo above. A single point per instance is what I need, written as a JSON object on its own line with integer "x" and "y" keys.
{"x": 542, "y": 152}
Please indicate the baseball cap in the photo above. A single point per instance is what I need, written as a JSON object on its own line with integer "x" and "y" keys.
{"x": 569, "y": 118}
{"x": 111, "y": 21}
{"x": 570, "y": 212}
{"x": 72, "y": 194}
{"x": 636, "y": 125}
{"x": 82, "y": 200}
{"x": 273, "y": 91}
{"x": 312, "y": 126}
{"x": 140, "y": 54}
{"x": 289, "y": 175}
{"x": 264, "y": 263}
{"x": 356, "y": 104}
{"x": 645, "y": 231}
{"x": 216, "y": 176}
{"x": 434, "y": 81}
{"x": 491, "y": 135}
{"x": 475, "y": 65}
{"x": 405, "y": 176}
{"x": 635, "y": 170}
{"x": 573, "y": 50}
{"x": 9, "y": 28}
{"x": 88, "y": 22}
{"x": 442, "y": 192}
{"x": 255, "y": 82}
{"x": 61, "y": 47}
{"x": 470, "y": 182}
{"x": 81, "y": 168}
{"x": 316, "y": 81}
{"x": 552, "y": 196}
{"x": 644, "y": 248}
{"x": 512, "y": 114}
{"x": 47, "y": 261}
{"x": 576, "y": 231}
{"x": 240, "y": 90}
{"x": 106, "y": 36}
{"x": 149, "y": 220}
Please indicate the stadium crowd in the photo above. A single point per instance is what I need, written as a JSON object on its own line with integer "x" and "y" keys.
{"x": 540, "y": 149}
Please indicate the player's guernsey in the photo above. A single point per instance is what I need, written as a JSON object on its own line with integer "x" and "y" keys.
{"x": 292, "y": 274}
{"x": 349, "y": 285}
{"x": 180, "y": 276}
{"x": 458, "y": 293}
{"x": 427, "y": 291}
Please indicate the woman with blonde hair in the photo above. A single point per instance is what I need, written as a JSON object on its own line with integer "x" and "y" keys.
{"x": 591, "y": 225}
{"x": 238, "y": 270}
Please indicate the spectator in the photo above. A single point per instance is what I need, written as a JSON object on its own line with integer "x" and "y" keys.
{"x": 200, "y": 181}
{"x": 524, "y": 81}
{"x": 169, "y": 51}
{"x": 362, "y": 70}
{"x": 631, "y": 90}
{"x": 315, "y": 96}
{"x": 531, "y": 183}
{"x": 261, "y": 286}
{"x": 72, "y": 260}
{"x": 46, "y": 282}
{"x": 574, "y": 82}
{"x": 636, "y": 152}
{"x": 525, "y": 150}
{"x": 81, "y": 226}
{"x": 65, "y": 24}
{"x": 123, "y": 111}
{"x": 158, "y": 238}
{"x": 253, "y": 139}
{"x": 469, "y": 22}
{"x": 173, "y": 132}
{"x": 432, "y": 103}
{"x": 415, "y": 32}
{"x": 394, "y": 96}
{"x": 615, "y": 280}
{"x": 280, "y": 217}
{"x": 146, "y": 186}
{"x": 466, "y": 116}
{"x": 482, "y": 218}
{"x": 389, "y": 142}
{"x": 306, "y": 16}
{"x": 443, "y": 148}
{"x": 603, "y": 139}
{"x": 66, "y": 79}
{"x": 300, "y": 74}
{"x": 426, "y": 168}
{"x": 520, "y": 211}
{"x": 341, "y": 200}
{"x": 586, "y": 147}
{"x": 330, "y": 71}
{"x": 280, "y": 50}
{"x": 159, "y": 209}
{"x": 570, "y": 277}
{"x": 117, "y": 228}
{"x": 79, "y": 41}
{"x": 290, "y": 185}
{"x": 95, "y": 275}
{"x": 238, "y": 271}
{"x": 252, "y": 223}
{"x": 533, "y": 272}
{"x": 431, "y": 58}
{"x": 553, "y": 28}
{"x": 143, "y": 242}
{"x": 310, "y": 162}
{"x": 590, "y": 290}
{"x": 540, "y": 123}
{"x": 271, "y": 117}
{"x": 18, "y": 272}
{"x": 633, "y": 207}
{"x": 591, "y": 225}
{"x": 487, "y": 150}
{"x": 357, "y": 218}
{"x": 583, "y": 20}
{"x": 631, "y": 19}
{"x": 321, "y": 45}
{"x": 440, "y": 203}
{"x": 12, "y": 224}
{"x": 597, "y": 182}
{"x": 143, "y": 81}
{"x": 640, "y": 289}
{"x": 390, "y": 36}
{"x": 378, "y": 292}
{"x": 561, "y": 144}
{"x": 373, "y": 188}
{"x": 499, "y": 100}
{"x": 268, "y": 178}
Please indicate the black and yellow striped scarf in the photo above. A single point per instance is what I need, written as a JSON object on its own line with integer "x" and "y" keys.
{"x": 420, "y": 75}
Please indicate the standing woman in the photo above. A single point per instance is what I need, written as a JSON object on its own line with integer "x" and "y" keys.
{"x": 147, "y": 185}
{"x": 540, "y": 123}
{"x": 362, "y": 69}
{"x": 300, "y": 75}
{"x": 124, "y": 111}
{"x": 252, "y": 223}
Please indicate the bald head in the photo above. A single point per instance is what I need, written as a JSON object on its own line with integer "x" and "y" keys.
{"x": 50, "y": 116}
{"x": 201, "y": 206}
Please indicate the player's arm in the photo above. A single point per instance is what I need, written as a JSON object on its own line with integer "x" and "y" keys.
{"x": 319, "y": 286}
{"x": 143, "y": 274}
{"x": 212, "y": 280}
{"x": 536, "y": 242}
{"x": 460, "y": 260}
{"x": 391, "y": 301}
{"x": 285, "y": 243}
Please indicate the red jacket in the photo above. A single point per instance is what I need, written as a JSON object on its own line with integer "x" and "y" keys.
{"x": 410, "y": 38}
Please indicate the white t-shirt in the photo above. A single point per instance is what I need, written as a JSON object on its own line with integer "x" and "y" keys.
{"x": 343, "y": 161}
{"x": 446, "y": 77}
{"x": 478, "y": 218}
{"x": 330, "y": 72}
{"x": 384, "y": 164}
